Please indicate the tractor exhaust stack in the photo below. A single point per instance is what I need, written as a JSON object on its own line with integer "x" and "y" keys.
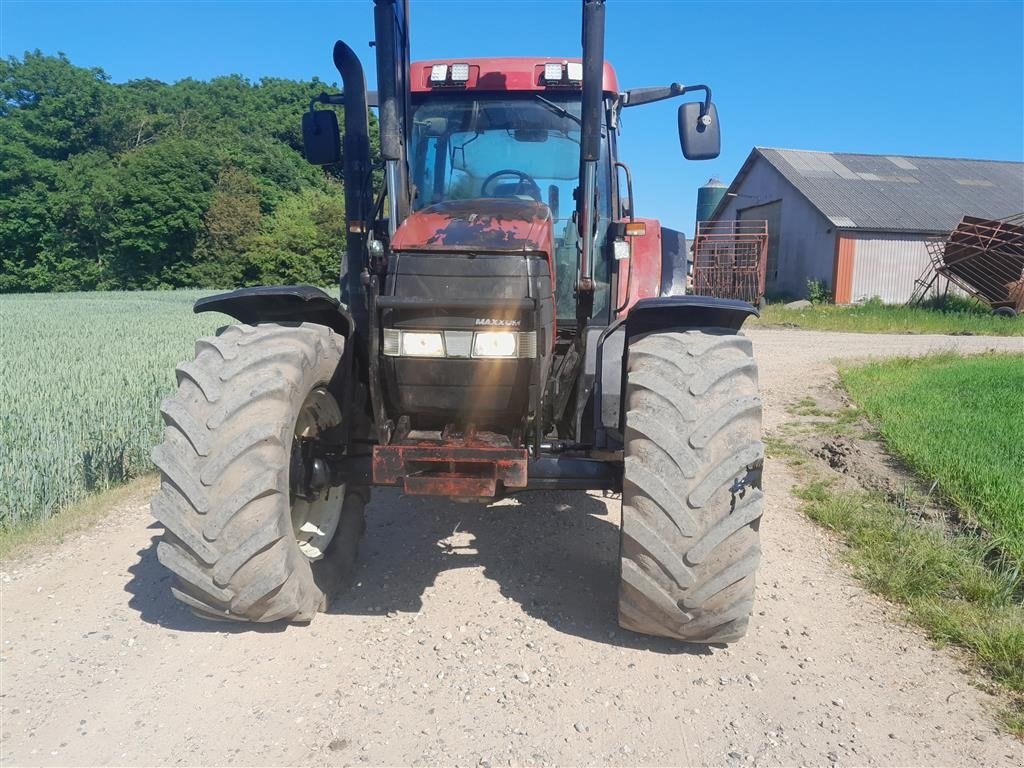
{"x": 590, "y": 150}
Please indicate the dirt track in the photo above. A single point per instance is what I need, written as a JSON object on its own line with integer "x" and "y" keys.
{"x": 492, "y": 645}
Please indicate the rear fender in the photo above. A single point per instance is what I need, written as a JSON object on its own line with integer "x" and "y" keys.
{"x": 657, "y": 266}
{"x": 675, "y": 262}
{"x": 280, "y": 303}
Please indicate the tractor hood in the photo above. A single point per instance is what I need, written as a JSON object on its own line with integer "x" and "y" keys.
{"x": 480, "y": 224}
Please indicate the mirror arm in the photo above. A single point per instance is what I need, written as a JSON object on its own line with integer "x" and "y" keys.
{"x": 326, "y": 98}
{"x": 638, "y": 96}
{"x": 706, "y": 106}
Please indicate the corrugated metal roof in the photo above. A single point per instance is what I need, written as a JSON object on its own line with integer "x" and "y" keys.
{"x": 892, "y": 194}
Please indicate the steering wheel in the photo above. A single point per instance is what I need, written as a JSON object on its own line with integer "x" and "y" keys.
{"x": 527, "y": 186}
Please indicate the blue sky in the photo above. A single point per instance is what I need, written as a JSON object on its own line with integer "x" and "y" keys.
{"x": 941, "y": 79}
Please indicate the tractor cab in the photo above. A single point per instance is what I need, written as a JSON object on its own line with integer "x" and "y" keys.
{"x": 510, "y": 129}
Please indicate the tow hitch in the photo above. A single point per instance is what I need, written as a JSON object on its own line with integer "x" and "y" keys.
{"x": 473, "y": 464}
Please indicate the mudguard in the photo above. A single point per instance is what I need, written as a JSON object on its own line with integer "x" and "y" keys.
{"x": 280, "y": 303}
{"x": 681, "y": 312}
{"x": 650, "y": 315}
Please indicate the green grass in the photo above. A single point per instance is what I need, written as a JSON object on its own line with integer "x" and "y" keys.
{"x": 958, "y": 421}
{"x": 81, "y": 379}
{"x": 948, "y": 584}
{"x": 957, "y": 317}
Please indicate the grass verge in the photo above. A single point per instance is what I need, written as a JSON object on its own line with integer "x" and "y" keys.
{"x": 875, "y": 317}
{"x": 948, "y": 584}
{"x": 958, "y": 421}
{"x": 29, "y": 535}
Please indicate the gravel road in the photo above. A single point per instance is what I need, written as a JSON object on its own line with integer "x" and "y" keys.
{"x": 486, "y": 636}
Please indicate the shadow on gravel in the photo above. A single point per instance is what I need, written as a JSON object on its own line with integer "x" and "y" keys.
{"x": 553, "y": 553}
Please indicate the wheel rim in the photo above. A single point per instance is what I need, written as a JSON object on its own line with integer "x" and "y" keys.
{"x": 315, "y": 520}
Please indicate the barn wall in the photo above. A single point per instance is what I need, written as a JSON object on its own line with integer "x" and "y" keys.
{"x": 806, "y": 243}
{"x": 887, "y": 265}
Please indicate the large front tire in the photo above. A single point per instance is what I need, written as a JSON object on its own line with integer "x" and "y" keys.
{"x": 240, "y": 544}
{"x": 691, "y": 501}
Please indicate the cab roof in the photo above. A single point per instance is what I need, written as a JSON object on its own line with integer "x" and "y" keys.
{"x": 521, "y": 73}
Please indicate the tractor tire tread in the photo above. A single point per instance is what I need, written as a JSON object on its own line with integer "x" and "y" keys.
{"x": 692, "y": 499}
{"x": 224, "y": 499}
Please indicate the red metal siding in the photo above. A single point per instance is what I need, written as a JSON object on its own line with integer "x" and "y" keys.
{"x": 842, "y": 275}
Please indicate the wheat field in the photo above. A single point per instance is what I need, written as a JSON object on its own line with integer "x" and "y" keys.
{"x": 81, "y": 379}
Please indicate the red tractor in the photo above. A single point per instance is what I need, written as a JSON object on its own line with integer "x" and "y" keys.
{"x": 506, "y": 324}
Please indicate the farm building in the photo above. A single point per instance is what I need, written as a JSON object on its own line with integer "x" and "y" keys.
{"x": 860, "y": 223}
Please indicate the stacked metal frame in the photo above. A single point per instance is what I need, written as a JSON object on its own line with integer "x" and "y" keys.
{"x": 730, "y": 259}
{"x": 984, "y": 257}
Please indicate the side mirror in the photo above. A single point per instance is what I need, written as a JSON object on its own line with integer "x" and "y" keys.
{"x": 700, "y": 139}
{"x": 321, "y": 138}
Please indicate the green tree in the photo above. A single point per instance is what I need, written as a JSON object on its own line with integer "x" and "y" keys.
{"x": 163, "y": 191}
{"x": 147, "y": 184}
{"x": 231, "y": 224}
{"x": 302, "y": 241}
{"x": 25, "y": 183}
{"x": 80, "y": 206}
{"x": 57, "y": 109}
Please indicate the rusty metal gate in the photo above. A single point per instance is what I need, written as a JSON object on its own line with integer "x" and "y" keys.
{"x": 730, "y": 259}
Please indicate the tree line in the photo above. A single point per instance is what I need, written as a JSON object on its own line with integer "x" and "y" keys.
{"x": 146, "y": 184}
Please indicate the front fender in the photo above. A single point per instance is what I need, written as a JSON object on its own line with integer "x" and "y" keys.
{"x": 666, "y": 313}
{"x": 280, "y": 303}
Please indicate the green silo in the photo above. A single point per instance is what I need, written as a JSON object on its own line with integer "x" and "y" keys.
{"x": 708, "y": 198}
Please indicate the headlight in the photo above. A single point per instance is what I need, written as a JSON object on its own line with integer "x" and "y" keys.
{"x": 495, "y": 344}
{"x": 459, "y": 344}
{"x": 422, "y": 344}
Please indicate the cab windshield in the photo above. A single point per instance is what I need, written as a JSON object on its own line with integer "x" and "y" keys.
{"x": 461, "y": 147}
{"x": 526, "y": 147}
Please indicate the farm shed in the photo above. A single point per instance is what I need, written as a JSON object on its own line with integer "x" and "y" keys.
{"x": 860, "y": 223}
